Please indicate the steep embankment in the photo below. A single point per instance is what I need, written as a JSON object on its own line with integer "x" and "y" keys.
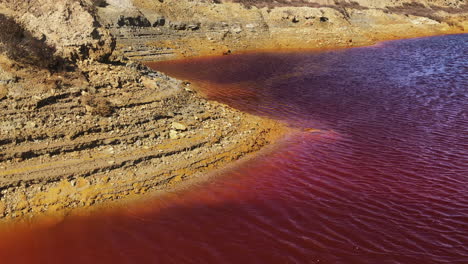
{"x": 158, "y": 30}
{"x": 78, "y": 127}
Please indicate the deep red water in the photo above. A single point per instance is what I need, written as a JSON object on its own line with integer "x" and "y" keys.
{"x": 386, "y": 181}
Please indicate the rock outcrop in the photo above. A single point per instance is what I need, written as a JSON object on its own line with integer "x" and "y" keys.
{"x": 194, "y": 28}
{"x": 81, "y": 124}
{"x": 79, "y": 127}
{"x": 66, "y": 25}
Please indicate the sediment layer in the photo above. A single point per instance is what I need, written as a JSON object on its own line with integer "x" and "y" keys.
{"x": 56, "y": 153}
{"x": 80, "y": 128}
{"x": 160, "y": 30}
{"x": 83, "y": 122}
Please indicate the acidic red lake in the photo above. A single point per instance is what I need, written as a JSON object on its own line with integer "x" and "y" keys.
{"x": 384, "y": 181}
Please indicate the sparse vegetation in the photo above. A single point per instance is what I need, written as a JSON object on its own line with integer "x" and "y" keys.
{"x": 96, "y": 105}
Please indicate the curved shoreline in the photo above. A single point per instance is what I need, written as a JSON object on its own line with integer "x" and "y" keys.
{"x": 63, "y": 195}
{"x": 100, "y": 127}
{"x": 132, "y": 174}
{"x": 342, "y": 182}
{"x": 137, "y": 201}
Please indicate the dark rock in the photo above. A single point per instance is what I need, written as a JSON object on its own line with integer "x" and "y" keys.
{"x": 161, "y": 21}
{"x": 324, "y": 19}
{"x": 136, "y": 21}
{"x": 178, "y": 26}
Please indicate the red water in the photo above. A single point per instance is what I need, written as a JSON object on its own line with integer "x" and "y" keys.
{"x": 386, "y": 181}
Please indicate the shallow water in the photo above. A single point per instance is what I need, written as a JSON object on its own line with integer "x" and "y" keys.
{"x": 384, "y": 181}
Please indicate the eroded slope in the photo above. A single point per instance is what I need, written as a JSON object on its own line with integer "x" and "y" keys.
{"x": 78, "y": 127}
{"x": 158, "y": 30}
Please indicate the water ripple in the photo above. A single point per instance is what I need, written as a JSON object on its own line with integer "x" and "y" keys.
{"x": 385, "y": 181}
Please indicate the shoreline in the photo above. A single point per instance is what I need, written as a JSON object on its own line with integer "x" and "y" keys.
{"x": 299, "y": 50}
{"x": 137, "y": 201}
{"x": 247, "y": 134}
{"x": 91, "y": 202}
{"x": 83, "y": 122}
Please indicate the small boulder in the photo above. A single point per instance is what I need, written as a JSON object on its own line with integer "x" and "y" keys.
{"x": 179, "y": 126}
{"x": 173, "y": 134}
